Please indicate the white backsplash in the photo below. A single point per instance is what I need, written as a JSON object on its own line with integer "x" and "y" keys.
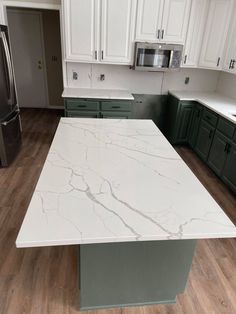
{"x": 227, "y": 85}
{"x": 121, "y": 77}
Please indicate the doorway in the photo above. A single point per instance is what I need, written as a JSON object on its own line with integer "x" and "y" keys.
{"x": 36, "y": 52}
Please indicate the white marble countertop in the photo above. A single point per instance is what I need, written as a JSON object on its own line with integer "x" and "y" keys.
{"x": 108, "y": 180}
{"x": 71, "y": 92}
{"x": 221, "y": 104}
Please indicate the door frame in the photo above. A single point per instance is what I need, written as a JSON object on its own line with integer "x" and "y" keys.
{"x": 45, "y": 6}
{"x": 16, "y": 10}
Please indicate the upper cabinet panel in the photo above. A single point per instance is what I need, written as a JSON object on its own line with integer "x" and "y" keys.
{"x": 162, "y": 20}
{"x": 196, "y": 26}
{"x": 117, "y": 31}
{"x": 230, "y": 58}
{"x": 81, "y": 29}
{"x": 215, "y": 33}
{"x": 149, "y": 19}
{"x": 175, "y": 20}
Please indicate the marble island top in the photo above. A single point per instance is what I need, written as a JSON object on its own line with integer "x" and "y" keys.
{"x": 221, "y": 104}
{"x": 118, "y": 94}
{"x": 115, "y": 181}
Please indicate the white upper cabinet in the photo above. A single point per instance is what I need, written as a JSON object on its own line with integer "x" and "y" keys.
{"x": 196, "y": 27}
{"x": 230, "y": 58}
{"x": 99, "y": 30}
{"x": 215, "y": 34}
{"x": 149, "y": 19}
{"x": 81, "y": 29}
{"x": 162, "y": 20}
{"x": 175, "y": 20}
{"x": 117, "y": 31}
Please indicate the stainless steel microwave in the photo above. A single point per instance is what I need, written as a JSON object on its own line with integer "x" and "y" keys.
{"x": 157, "y": 57}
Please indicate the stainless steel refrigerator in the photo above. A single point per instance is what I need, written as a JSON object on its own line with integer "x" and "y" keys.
{"x": 10, "y": 125}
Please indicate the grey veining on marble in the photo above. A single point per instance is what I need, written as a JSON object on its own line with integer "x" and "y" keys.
{"x": 117, "y": 180}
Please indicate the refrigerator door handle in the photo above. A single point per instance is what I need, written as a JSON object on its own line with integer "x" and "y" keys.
{"x": 9, "y": 66}
{"x": 12, "y": 119}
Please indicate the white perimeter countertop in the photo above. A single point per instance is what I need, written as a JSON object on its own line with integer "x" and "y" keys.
{"x": 97, "y": 93}
{"x": 222, "y": 105}
{"x": 117, "y": 180}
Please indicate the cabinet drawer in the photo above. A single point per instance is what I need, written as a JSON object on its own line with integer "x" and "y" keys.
{"x": 116, "y": 105}
{"x": 226, "y": 127}
{"x": 210, "y": 117}
{"x": 81, "y": 114}
{"x": 115, "y": 115}
{"x": 73, "y": 104}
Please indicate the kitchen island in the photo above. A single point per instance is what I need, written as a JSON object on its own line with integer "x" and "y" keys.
{"x": 119, "y": 190}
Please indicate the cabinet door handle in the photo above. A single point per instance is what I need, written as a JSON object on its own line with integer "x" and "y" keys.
{"x": 210, "y": 134}
{"x": 230, "y": 64}
{"x": 81, "y": 106}
{"x": 185, "y": 59}
{"x": 162, "y": 34}
{"x": 102, "y": 54}
{"x": 218, "y": 61}
{"x": 115, "y": 107}
{"x": 158, "y": 33}
{"x": 96, "y": 55}
{"x": 226, "y": 147}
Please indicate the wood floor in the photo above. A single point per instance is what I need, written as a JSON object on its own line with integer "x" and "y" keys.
{"x": 44, "y": 280}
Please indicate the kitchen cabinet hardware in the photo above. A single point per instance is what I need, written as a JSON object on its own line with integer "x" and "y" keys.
{"x": 226, "y": 147}
{"x": 102, "y": 54}
{"x": 162, "y": 34}
{"x": 96, "y": 55}
{"x": 185, "y": 59}
{"x": 158, "y": 33}
{"x": 210, "y": 134}
{"x": 230, "y": 64}
{"x": 218, "y": 61}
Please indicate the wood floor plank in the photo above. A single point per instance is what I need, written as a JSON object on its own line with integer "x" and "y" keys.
{"x": 44, "y": 280}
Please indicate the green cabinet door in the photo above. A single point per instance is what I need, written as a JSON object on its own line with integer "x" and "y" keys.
{"x": 204, "y": 139}
{"x": 218, "y": 153}
{"x": 229, "y": 171}
{"x": 184, "y": 123}
{"x": 194, "y": 125}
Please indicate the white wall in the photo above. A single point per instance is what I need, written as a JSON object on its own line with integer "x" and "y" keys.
{"x": 227, "y": 85}
{"x": 121, "y": 77}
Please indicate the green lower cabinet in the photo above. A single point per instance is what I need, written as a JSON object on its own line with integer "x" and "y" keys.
{"x": 229, "y": 171}
{"x": 184, "y": 123}
{"x": 194, "y": 125}
{"x": 204, "y": 139}
{"x": 97, "y": 108}
{"x": 218, "y": 153}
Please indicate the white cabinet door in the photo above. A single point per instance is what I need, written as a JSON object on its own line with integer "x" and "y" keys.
{"x": 117, "y": 31}
{"x": 196, "y": 26}
{"x": 149, "y": 19}
{"x": 230, "y": 58}
{"x": 81, "y": 29}
{"x": 215, "y": 34}
{"x": 175, "y": 20}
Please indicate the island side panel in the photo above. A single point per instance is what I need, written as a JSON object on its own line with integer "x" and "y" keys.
{"x": 133, "y": 273}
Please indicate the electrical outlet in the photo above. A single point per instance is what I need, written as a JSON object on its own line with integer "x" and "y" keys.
{"x": 75, "y": 75}
{"x": 187, "y": 79}
{"x": 102, "y": 77}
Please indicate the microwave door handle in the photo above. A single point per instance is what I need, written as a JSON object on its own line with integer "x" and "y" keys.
{"x": 9, "y": 66}
{"x": 171, "y": 58}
